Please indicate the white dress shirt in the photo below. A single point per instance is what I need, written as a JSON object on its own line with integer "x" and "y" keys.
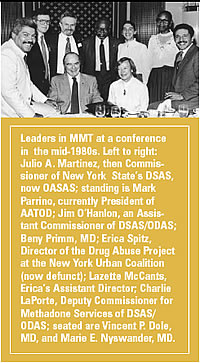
{"x": 138, "y": 53}
{"x": 132, "y": 95}
{"x": 97, "y": 53}
{"x": 62, "y": 39}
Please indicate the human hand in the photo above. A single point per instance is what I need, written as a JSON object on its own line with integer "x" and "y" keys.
{"x": 173, "y": 96}
{"x": 52, "y": 103}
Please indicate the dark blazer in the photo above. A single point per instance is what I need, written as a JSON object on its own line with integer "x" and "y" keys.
{"x": 88, "y": 55}
{"x": 37, "y": 68}
{"x": 53, "y": 42}
{"x": 186, "y": 79}
{"x": 60, "y": 91}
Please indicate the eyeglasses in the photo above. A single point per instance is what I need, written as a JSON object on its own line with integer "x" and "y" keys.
{"x": 164, "y": 21}
{"x": 44, "y": 22}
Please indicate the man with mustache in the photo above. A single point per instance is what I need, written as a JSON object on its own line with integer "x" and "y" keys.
{"x": 20, "y": 97}
{"x": 185, "y": 82}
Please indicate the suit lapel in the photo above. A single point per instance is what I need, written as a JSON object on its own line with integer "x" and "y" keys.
{"x": 186, "y": 59}
{"x": 67, "y": 90}
{"x": 82, "y": 92}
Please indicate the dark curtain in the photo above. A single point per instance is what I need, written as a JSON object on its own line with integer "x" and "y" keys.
{"x": 87, "y": 14}
{"x": 9, "y": 13}
{"x": 144, "y": 14}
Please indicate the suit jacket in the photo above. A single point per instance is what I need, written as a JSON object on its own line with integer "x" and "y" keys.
{"x": 61, "y": 93}
{"x": 186, "y": 79}
{"x": 37, "y": 67}
{"x": 88, "y": 55}
{"x": 17, "y": 90}
{"x": 53, "y": 44}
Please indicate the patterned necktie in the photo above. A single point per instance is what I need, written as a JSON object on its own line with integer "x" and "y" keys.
{"x": 179, "y": 59}
{"x": 68, "y": 46}
{"x": 74, "y": 98}
{"x": 44, "y": 55}
{"x": 102, "y": 56}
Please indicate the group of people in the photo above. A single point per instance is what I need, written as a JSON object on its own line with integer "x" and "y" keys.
{"x": 46, "y": 74}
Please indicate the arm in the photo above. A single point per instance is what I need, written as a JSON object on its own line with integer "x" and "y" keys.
{"x": 95, "y": 92}
{"x": 193, "y": 89}
{"x": 111, "y": 96}
{"x": 144, "y": 99}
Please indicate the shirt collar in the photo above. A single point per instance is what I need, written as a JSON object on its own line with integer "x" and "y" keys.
{"x": 71, "y": 78}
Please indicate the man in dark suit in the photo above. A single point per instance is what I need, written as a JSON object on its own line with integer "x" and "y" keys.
{"x": 72, "y": 91}
{"x": 99, "y": 56}
{"x": 66, "y": 41}
{"x": 185, "y": 82}
{"x": 38, "y": 57}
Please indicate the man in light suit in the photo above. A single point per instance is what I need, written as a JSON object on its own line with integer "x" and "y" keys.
{"x": 185, "y": 82}
{"x": 20, "y": 97}
{"x": 38, "y": 57}
{"x": 62, "y": 87}
{"x": 68, "y": 40}
{"x": 99, "y": 56}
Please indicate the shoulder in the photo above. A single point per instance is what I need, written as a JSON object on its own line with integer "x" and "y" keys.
{"x": 87, "y": 78}
{"x": 140, "y": 85}
{"x": 114, "y": 41}
{"x": 58, "y": 79}
{"x": 140, "y": 45}
{"x": 88, "y": 40}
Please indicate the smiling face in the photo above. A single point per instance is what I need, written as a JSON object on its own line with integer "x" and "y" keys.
{"x": 102, "y": 30}
{"x": 68, "y": 25}
{"x": 163, "y": 23}
{"x": 42, "y": 22}
{"x": 124, "y": 71}
{"x": 25, "y": 39}
{"x": 128, "y": 31}
{"x": 72, "y": 65}
{"x": 183, "y": 39}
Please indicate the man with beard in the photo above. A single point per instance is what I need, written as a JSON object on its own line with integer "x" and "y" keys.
{"x": 20, "y": 97}
{"x": 68, "y": 40}
{"x": 185, "y": 82}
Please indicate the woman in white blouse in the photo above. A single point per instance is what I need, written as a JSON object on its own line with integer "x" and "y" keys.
{"x": 128, "y": 92}
{"x": 162, "y": 51}
{"x": 135, "y": 50}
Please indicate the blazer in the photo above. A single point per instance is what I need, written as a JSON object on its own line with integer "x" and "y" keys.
{"x": 17, "y": 90}
{"x": 186, "y": 78}
{"x": 88, "y": 55}
{"x": 37, "y": 68}
{"x": 61, "y": 93}
{"x": 53, "y": 44}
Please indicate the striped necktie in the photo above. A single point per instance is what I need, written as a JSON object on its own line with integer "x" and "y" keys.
{"x": 44, "y": 56}
{"x": 179, "y": 59}
{"x": 68, "y": 46}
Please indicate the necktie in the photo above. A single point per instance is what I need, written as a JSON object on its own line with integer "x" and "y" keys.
{"x": 179, "y": 59}
{"x": 68, "y": 46}
{"x": 74, "y": 98}
{"x": 44, "y": 55}
{"x": 25, "y": 59}
{"x": 102, "y": 57}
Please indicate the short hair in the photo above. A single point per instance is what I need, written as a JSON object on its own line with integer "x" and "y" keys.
{"x": 68, "y": 14}
{"x": 71, "y": 53}
{"x": 40, "y": 11}
{"x": 102, "y": 20}
{"x": 130, "y": 23}
{"x": 132, "y": 64}
{"x": 184, "y": 26}
{"x": 165, "y": 12}
{"x": 22, "y": 22}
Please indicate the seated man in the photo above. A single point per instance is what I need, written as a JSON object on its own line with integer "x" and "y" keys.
{"x": 20, "y": 97}
{"x": 185, "y": 82}
{"x": 73, "y": 90}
